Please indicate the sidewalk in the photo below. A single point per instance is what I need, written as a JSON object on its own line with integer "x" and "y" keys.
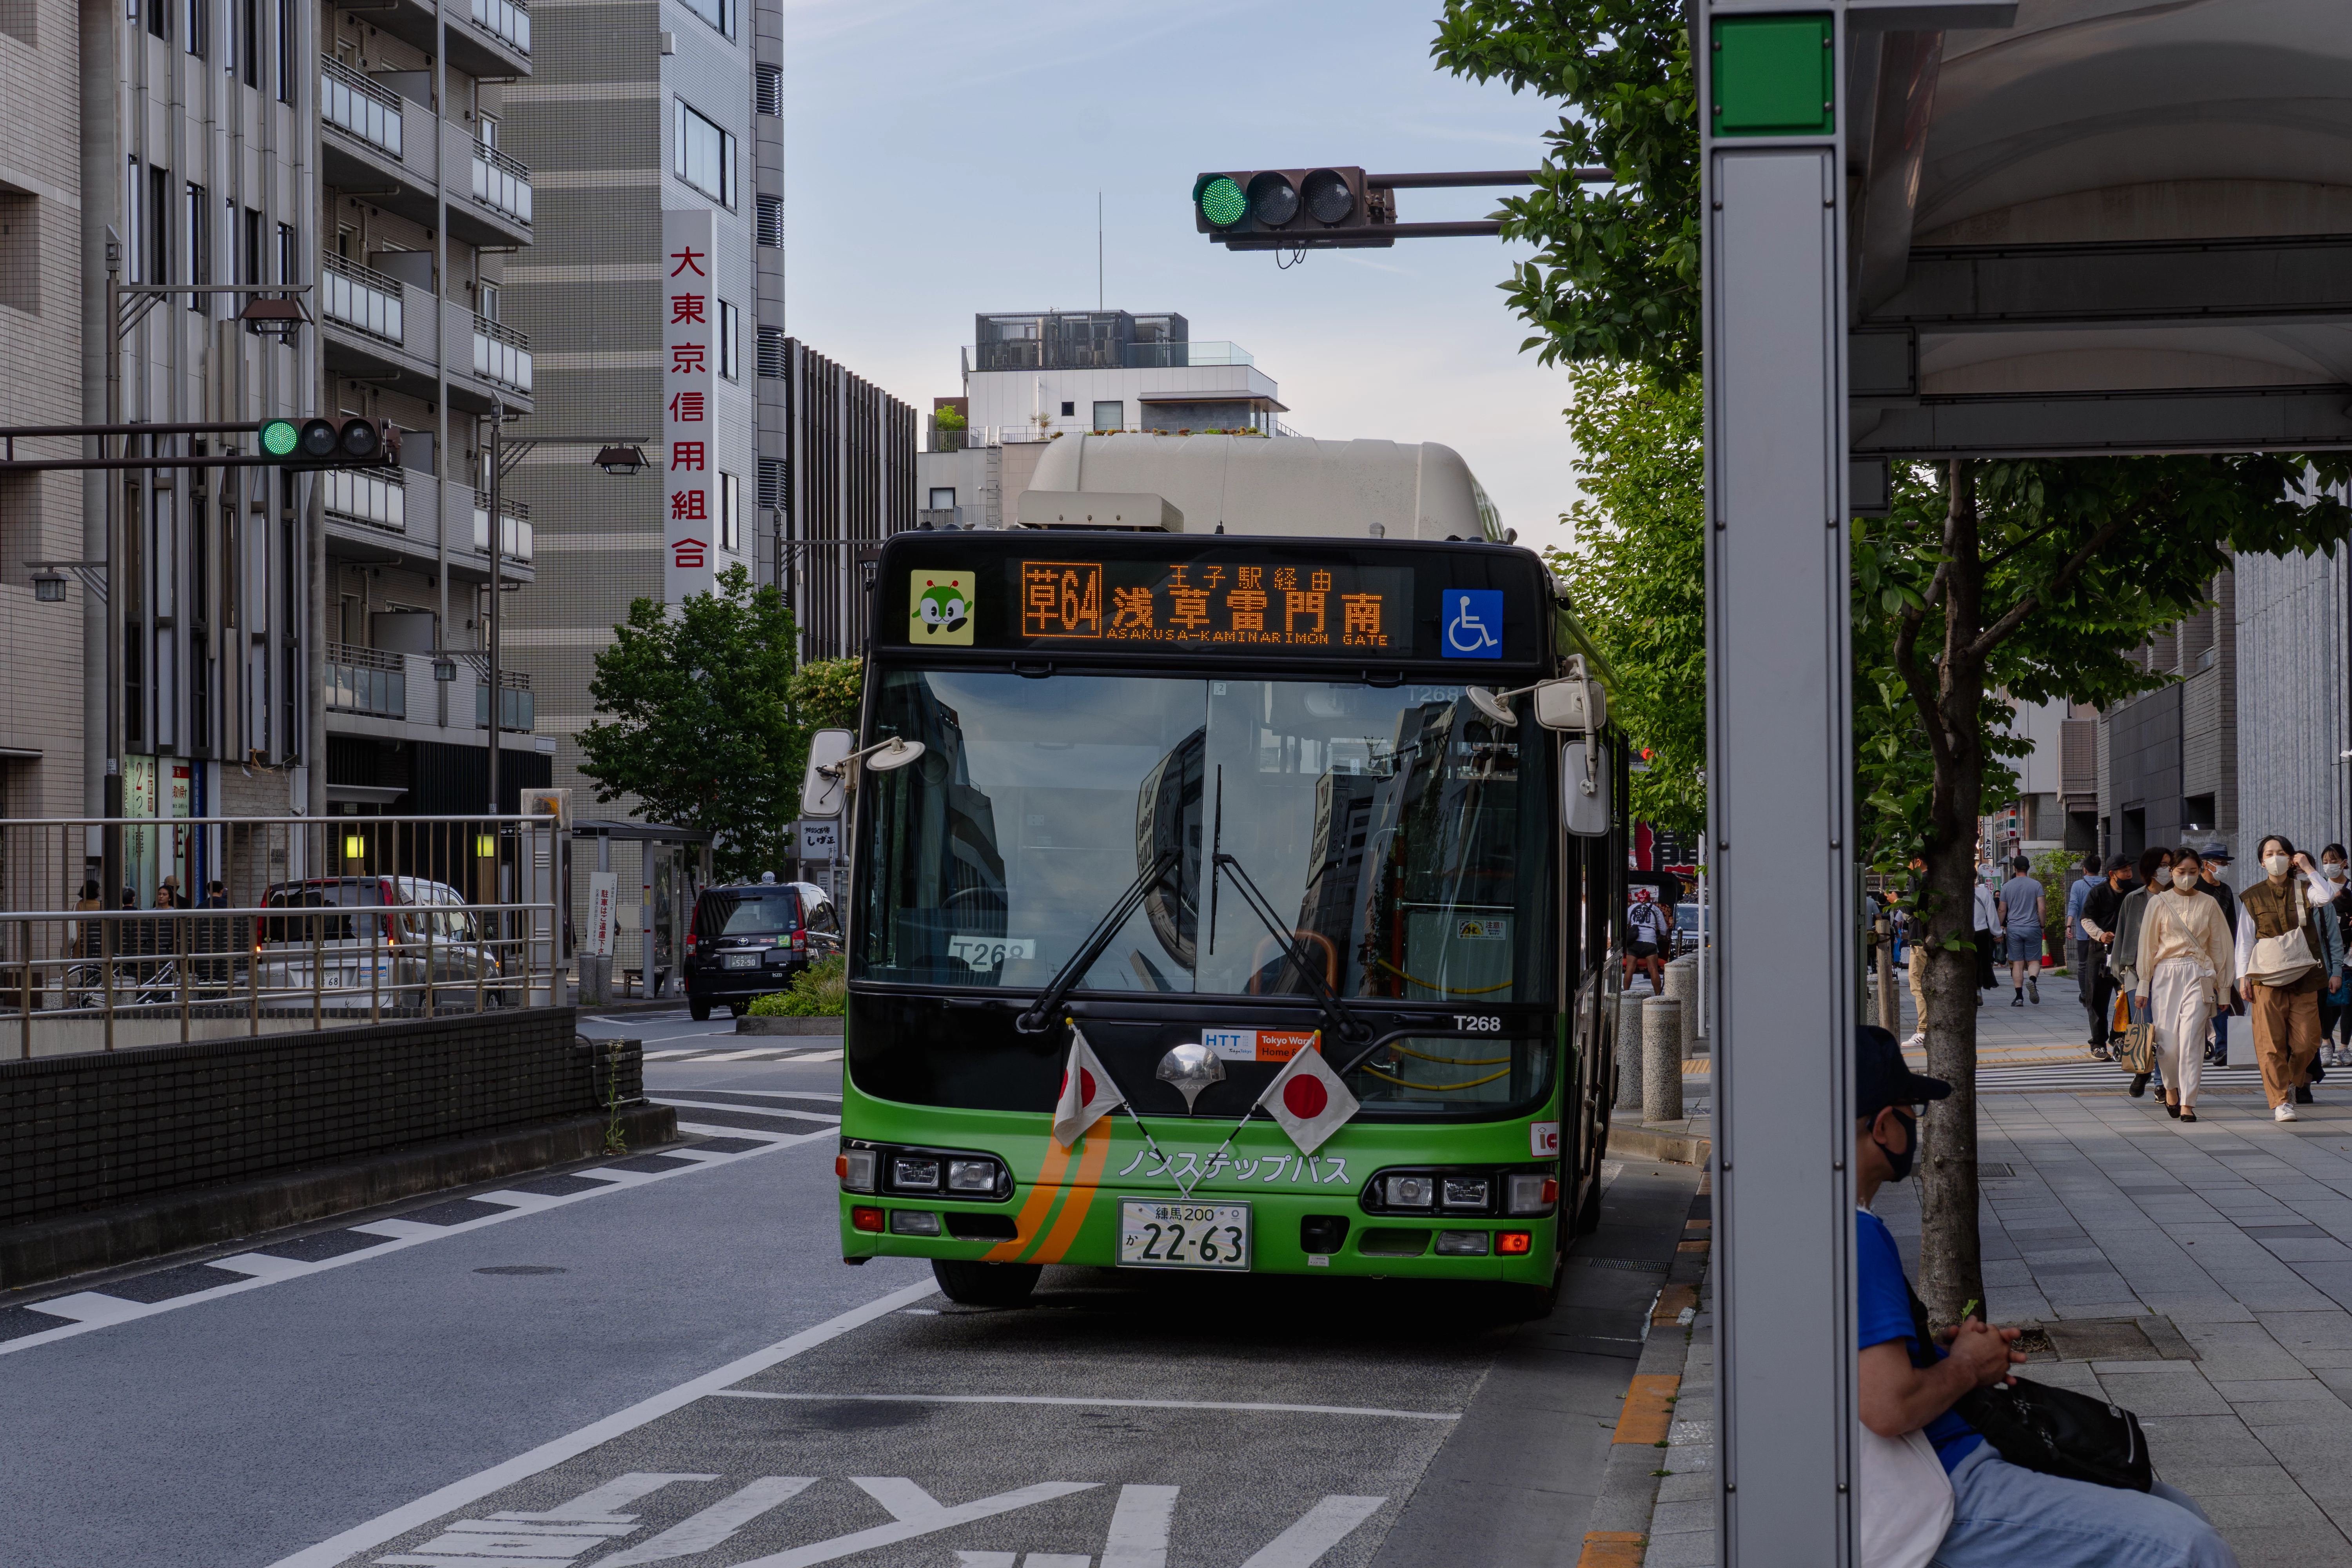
{"x": 2199, "y": 1276}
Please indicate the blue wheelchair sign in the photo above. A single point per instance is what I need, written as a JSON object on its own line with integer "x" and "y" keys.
{"x": 1474, "y": 623}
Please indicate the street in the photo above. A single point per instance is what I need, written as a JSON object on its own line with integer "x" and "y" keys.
{"x": 661, "y": 1358}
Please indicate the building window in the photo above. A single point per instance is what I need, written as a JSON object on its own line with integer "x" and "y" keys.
{"x": 730, "y": 344}
{"x": 719, "y": 13}
{"x": 159, "y": 224}
{"x": 249, "y": 45}
{"x": 159, "y": 18}
{"x": 730, "y": 513}
{"x": 288, "y": 259}
{"x": 135, "y": 204}
{"x": 706, "y": 155}
{"x": 768, "y": 89}
{"x": 770, "y": 222}
{"x": 772, "y": 353}
{"x": 1070, "y": 410}
{"x": 942, "y": 497}
{"x": 1110, "y": 416}
{"x": 772, "y": 476}
{"x": 285, "y": 51}
{"x": 200, "y": 253}
{"x": 486, "y": 297}
{"x": 195, "y": 25}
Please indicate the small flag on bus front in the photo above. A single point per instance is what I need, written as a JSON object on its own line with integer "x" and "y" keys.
{"x": 1088, "y": 1093}
{"x": 1308, "y": 1099}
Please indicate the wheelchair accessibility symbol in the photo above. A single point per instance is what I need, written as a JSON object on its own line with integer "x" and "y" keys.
{"x": 1474, "y": 623}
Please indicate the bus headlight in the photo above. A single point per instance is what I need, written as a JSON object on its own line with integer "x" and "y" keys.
{"x": 973, "y": 1176}
{"x": 915, "y": 1173}
{"x": 856, "y": 1168}
{"x": 1466, "y": 1192}
{"x": 1410, "y": 1192}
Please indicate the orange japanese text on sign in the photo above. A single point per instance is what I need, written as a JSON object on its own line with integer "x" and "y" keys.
{"x": 1061, "y": 599}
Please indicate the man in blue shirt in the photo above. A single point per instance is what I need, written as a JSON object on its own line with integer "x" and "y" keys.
{"x": 2083, "y": 885}
{"x": 2003, "y": 1515}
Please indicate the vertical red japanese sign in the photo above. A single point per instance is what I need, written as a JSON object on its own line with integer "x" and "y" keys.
{"x": 689, "y": 309}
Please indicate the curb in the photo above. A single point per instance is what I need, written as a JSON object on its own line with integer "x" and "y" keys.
{"x": 747, "y": 1025}
{"x": 1674, "y": 1148}
{"x": 127, "y": 1232}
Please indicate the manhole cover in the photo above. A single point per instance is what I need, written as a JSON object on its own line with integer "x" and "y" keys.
{"x": 1984, "y": 1168}
{"x": 2149, "y": 1338}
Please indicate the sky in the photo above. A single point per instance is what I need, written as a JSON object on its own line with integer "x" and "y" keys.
{"x": 943, "y": 160}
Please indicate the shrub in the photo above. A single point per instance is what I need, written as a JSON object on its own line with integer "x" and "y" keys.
{"x": 820, "y": 991}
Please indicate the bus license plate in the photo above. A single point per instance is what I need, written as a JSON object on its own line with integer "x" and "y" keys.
{"x": 1153, "y": 1235}
{"x": 739, "y": 959}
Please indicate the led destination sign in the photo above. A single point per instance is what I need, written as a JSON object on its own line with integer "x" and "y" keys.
{"x": 1306, "y": 606}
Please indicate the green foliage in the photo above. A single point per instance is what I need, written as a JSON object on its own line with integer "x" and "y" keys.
{"x": 1637, "y": 574}
{"x": 820, "y": 991}
{"x": 826, "y": 692}
{"x": 947, "y": 419}
{"x": 698, "y": 723}
{"x": 1616, "y": 276}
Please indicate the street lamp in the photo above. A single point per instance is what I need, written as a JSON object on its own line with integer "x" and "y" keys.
{"x": 49, "y": 587}
{"x": 622, "y": 461}
{"x": 444, "y": 669}
{"x": 279, "y": 318}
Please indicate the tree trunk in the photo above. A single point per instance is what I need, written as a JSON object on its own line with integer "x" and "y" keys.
{"x": 1951, "y": 1272}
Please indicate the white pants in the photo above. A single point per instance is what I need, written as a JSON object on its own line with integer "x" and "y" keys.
{"x": 2180, "y": 1004}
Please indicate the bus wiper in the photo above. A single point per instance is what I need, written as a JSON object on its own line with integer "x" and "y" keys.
{"x": 1041, "y": 1013}
{"x": 1344, "y": 1024}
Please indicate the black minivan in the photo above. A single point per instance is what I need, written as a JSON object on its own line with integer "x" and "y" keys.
{"x": 750, "y": 940}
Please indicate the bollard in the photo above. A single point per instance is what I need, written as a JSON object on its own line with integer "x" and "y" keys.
{"x": 1628, "y": 1053}
{"x": 1661, "y": 1059}
{"x": 1682, "y": 988}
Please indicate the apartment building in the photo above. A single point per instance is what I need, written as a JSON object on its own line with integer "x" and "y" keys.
{"x": 2167, "y": 763}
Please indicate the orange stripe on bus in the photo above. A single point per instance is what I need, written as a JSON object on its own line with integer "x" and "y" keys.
{"x": 1082, "y": 1196}
{"x": 1042, "y": 1191}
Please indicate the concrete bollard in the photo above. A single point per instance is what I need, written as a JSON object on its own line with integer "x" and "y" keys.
{"x": 1661, "y": 1059}
{"x": 1682, "y": 988}
{"x": 1628, "y": 1053}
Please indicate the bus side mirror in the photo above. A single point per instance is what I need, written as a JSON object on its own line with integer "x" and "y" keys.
{"x": 1584, "y": 776}
{"x": 826, "y": 786}
{"x": 1572, "y": 702}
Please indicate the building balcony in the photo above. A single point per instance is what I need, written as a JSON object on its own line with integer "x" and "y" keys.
{"x": 515, "y": 705}
{"x": 378, "y": 497}
{"x": 505, "y": 20}
{"x": 501, "y": 354}
{"x": 501, "y": 184}
{"x": 514, "y": 538}
{"x": 364, "y": 680}
{"x": 351, "y": 103}
{"x": 363, "y": 299}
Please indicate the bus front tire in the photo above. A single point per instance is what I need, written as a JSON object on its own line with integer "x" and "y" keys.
{"x": 698, "y": 1011}
{"x": 985, "y": 1284}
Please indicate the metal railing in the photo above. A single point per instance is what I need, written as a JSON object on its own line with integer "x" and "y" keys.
{"x": 361, "y": 297}
{"x": 501, "y": 183}
{"x": 350, "y": 101}
{"x": 504, "y": 19}
{"x": 362, "y": 680}
{"x": 306, "y": 923}
{"x": 379, "y": 499}
{"x": 515, "y": 703}
{"x": 501, "y": 353}
{"x": 1034, "y": 354}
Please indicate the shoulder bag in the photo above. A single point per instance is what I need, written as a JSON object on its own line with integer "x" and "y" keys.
{"x": 2284, "y": 960}
{"x": 2135, "y": 1042}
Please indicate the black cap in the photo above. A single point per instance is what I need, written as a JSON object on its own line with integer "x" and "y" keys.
{"x": 1882, "y": 1077}
{"x": 2119, "y": 863}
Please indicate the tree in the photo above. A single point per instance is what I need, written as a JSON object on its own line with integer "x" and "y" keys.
{"x": 1637, "y": 574}
{"x": 2040, "y": 579}
{"x": 1616, "y": 274}
{"x": 702, "y": 727}
{"x": 826, "y": 692}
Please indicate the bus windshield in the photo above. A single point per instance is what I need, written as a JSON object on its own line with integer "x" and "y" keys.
{"x": 1407, "y": 843}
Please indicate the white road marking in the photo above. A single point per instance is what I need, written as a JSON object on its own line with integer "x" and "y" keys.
{"x": 700, "y": 1130}
{"x": 763, "y": 1093}
{"x": 812, "y": 1056}
{"x": 1139, "y": 1528}
{"x": 404, "y": 1234}
{"x": 1047, "y": 1559}
{"x": 1097, "y": 1404}
{"x": 711, "y": 1528}
{"x": 602, "y": 1505}
{"x": 738, "y": 1056}
{"x": 547, "y": 1455}
{"x": 987, "y": 1559}
{"x": 660, "y": 1099}
{"x": 657, "y": 1056}
{"x": 1325, "y": 1524}
{"x": 903, "y": 1493}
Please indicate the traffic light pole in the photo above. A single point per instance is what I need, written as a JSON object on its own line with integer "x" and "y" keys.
{"x": 497, "y": 593}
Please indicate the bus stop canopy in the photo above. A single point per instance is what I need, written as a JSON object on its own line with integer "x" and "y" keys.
{"x": 2110, "y": 227}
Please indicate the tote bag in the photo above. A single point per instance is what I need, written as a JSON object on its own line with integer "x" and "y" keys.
{"x": 1907, "y": 1502}
{"x": 2284, "y": 960}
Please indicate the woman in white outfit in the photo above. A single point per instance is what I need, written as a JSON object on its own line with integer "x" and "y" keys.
{"x": 2186, "y": 965}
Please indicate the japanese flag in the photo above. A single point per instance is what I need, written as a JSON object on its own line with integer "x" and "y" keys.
{"x": 1088, "y": 1093}
{"x": 1307, "y": 1097}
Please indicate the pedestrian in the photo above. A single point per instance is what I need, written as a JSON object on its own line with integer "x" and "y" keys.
{"x": 82, "y": 936}
{"x": 2155, "y": 868}
{"x": 2088, "y": 880}
{"x": 1915, "y": 931}
{"x": 2186, "y": 963}
{"x": 2095, "y": 927}
{"x": 2335, "y": 1015}
{"x": 2282, "y": 959}
{"x": 1988, "y": 927}
{"x": 2216, "y": 858}
{"x": 2023, "y": 917}
{"x": 1649, "y": 926}
{"x": 1909, "y": 1379}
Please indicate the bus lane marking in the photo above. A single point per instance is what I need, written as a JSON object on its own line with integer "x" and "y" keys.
{"x": 458, "y": 1494}
{"x": 917, "y": 1513}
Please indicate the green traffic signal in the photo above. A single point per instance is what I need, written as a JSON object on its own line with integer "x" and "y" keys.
{"x": 1221, "y": 201}
{"x": 279, "y": 436}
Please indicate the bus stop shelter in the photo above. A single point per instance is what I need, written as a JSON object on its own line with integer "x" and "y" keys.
{"x": 1935, "y": 229}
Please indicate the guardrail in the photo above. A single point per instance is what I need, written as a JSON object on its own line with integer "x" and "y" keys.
{"x": 349, "y": 101}
{"x": 364, "y": 680}
{"x": 503, "y": 19}
{"x": 317, "y": 923}
{"x": 501, "y": 353}
{"x": 501, "y": 183}
{"x": 361, "y": 297}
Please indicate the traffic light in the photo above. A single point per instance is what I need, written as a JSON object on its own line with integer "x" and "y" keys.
{"x": 356, "y": 443}
{"x": 1285, "y": 209}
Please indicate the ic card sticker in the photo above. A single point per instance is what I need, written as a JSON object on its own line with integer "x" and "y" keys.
{"x": 1543, "y": 1140}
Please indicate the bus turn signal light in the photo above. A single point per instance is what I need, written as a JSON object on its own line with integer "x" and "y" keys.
{"x": 1508, "y": 1242}
{"x": 864, "y": 1218}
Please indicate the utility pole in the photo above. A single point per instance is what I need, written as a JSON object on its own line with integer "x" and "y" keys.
{"x": 498, "y": 543}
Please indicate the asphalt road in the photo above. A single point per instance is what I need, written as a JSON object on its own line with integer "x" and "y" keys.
{"x": 662, "y": 1359}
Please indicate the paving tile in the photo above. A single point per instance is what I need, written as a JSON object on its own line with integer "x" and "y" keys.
{"x": 2202, "y": 1440}
{"x": 2272, "y": 1389}
{"x": 2155, "y": 1395}
{"x": 2204, "y": 1482}
{"x": 1694, "y": 1550}
{"x": 1681, "y": 1518}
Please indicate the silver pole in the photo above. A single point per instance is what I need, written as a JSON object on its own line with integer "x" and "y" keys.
{"x": 497, "y": 529}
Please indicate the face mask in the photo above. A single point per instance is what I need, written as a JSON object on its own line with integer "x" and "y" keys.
{"x": 1901, "y": 1163}
{"x": 2276, "y": 865}
{"x": 2163, "y": 876}
{"x": 2332, "y": 872}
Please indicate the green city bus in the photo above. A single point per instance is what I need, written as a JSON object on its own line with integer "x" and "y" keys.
{"x": 1251, "y": 794}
